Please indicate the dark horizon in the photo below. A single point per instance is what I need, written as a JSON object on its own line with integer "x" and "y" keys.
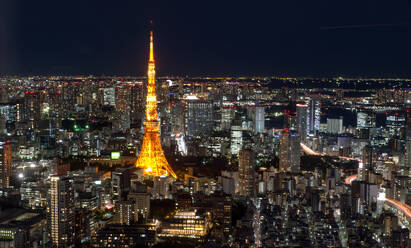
{"x": 323, "y": 39}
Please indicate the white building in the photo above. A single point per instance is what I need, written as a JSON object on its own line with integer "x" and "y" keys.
{"x": 334, "y": 125}
{"x": 259, "y": 122}
{"x": 236, "y": 139}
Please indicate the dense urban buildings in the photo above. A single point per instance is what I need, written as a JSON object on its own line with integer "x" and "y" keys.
{"x": 100, "y": 161}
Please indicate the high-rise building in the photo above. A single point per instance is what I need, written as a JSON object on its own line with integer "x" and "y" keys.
{"x": 290, "y": 151}
{"x": 32, "y": 108}
{"x": 226, "y": 117}
{"x": 334, "y": 126}
{"x": 408, "y": 140}
{"x": 394, "y": 122}
{"x": 295, "y": 153}
{"x": 61, "y": 212}
{"x": 137, "y": 96}
{"x": 125, "y": 213}
{"x": 5, "y": 166}
{"x": 228, "y": 185}
{"x": 84, "y": 225}
{"x": 284, "y": 150}
{"x": 367, "y": 162}
{"x": 314, "y": 111}
{"x": 11, "y": 113}
{"x": 109, "y": 97}
{"x": 120, "y": 183}
{"x": 259, "y": 122}
{"x": 141, "y": 198}
{"x": 222, "y": 210}
{"x": 122, "y": 122}
{"x": 122, "y": 98}
{"x": 200, "y": 119}
{"x": 151, "y": 157}
{"x": 177, "y": 118}
{"x": 246, "y": 167}
{"x": 302, "y": 110}
{"x": 161, "y": 188}
{"x": 290, "y": 120}
{"x": 365, "y": 120}
{"x": 236, "y": 137}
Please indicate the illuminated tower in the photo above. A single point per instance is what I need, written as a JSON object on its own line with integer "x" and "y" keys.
{"x": 151, "y": 157}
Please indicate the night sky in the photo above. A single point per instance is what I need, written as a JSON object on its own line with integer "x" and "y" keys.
{"x": 228, "y": 38}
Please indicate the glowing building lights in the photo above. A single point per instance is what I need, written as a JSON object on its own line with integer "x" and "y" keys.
{"x": 186, "y": 224}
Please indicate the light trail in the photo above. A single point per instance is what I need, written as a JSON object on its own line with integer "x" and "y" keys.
{"x": 257, "y": 231}
{"x": 349, "y": 179}
{"x": 256, "y": 228}
{"x": 406, "y": 209}
{"x": 309, "y": 151}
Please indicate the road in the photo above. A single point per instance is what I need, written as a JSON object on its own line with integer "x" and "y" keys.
{"x": 406, "y": 209}
{"x": 309, "y": 151}
{"x": 257, "y": 222}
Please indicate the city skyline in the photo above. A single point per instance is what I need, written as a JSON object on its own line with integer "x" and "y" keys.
{"x": 88, "y": 159}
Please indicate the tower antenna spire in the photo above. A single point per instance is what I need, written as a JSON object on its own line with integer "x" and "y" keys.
{"x": 151, "y": 59}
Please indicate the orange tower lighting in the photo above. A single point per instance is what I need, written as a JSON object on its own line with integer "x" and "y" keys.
{"x": 151, "y": 157}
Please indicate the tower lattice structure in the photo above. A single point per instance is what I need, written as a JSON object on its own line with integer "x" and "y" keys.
{"x": 151, "y": 157}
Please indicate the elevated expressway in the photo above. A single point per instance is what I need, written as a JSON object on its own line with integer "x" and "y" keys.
{"x": 402, "y": 210}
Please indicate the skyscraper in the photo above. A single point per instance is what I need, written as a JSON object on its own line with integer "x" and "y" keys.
{"x": 141, "y": 198}
{"x": 314, "y": 111}
{"x": 259, "y": 122}
{"x": 290, "y": 120}
{"x": 365, "y": 119}
{"x": 120, "y": 183}
{"x": 367, "y": 162}
{"x": 334, "y": 126}
{"x": 395, "y": 122}
{"x": 125, "y": 213}
{"x": 151, "y": 157}
{"x": 226, "y": 117}
{"x": 109, "y": 97}
{"x": 302, "y": 120}
{"x": 200, "y": 119}
{"x": 60, "y": 212}
{"x": 246, "y": 167}
{"x": 5, "y": 166}
{"x": 408, "y": 140}
{"x": 236, "y": 134}
{"x": 290, "y": 151}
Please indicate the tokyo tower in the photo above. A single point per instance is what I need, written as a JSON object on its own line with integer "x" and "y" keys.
{"x": 151, "y": 157}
